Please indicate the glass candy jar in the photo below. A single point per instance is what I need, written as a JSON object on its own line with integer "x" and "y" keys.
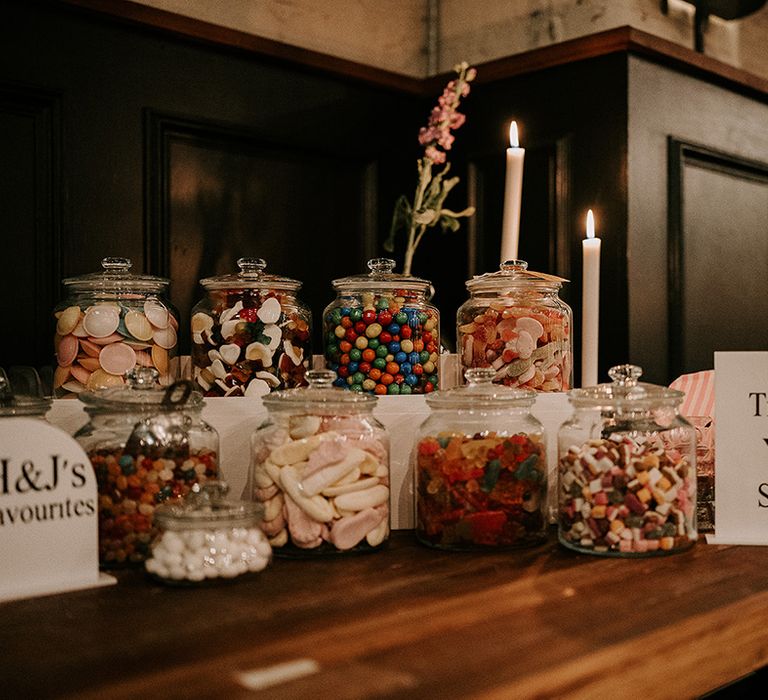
{"x": 480, "y": 468}
{"x": 250, "y": 334}
{"x": 320, "y": 467}
{"x": 110, "y": 322}
{"x": 627, "y": 470}
{"x": 381, "y": 334}
{"x": 147, "y": 446}
{"x": 206, "y": 537}
{"x": 515, "y": 322}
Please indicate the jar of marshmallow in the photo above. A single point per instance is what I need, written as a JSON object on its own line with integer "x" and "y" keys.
{"x": 320, "y": 468}
{"x": 206, "y": 537}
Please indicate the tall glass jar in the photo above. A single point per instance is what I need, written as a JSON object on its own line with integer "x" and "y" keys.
{"x": 480, "y": 468}
{"x": 515, "y": 322}
{"x": 320, "y": 467}
{"x": 381, "y": 334}
{"x": 627, "y": 470}
{"x": 147, "y": 446}
{"x": 110, "y": 322}
{"x": 250, "y": 334}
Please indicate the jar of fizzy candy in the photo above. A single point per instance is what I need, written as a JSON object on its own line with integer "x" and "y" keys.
{"x": 205, "y": 537}
{"x": 627, "y": 470}
{"x": 147, "y": 446}
{"x": 381, "y": 334}
{"x": 320, "y": 467}
{"x": 480, "y": 468}
{"x": 515, "y": 322}
{"x": 110, "y": 322}
{"x": 250, "y": 334}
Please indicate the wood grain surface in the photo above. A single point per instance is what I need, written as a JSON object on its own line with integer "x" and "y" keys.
{"x": 407, "y": 622}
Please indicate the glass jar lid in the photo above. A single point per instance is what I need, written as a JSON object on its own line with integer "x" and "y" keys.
{"x": 117, "y": 278}
{"x": 513, "y": 275}
{"x": 141, "y": 392}
{"x": 481, "y": 392}
{"x": 206, "y": 507}
{"x": 250, "y": 276}
{"x": 625, "y": 393}
{"x": 15, "y": 405}
{"x": 320, "y": 397}
{"x": 381, "y": 276}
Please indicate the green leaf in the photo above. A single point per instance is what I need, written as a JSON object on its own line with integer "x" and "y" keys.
{"x": 401, "y": 218}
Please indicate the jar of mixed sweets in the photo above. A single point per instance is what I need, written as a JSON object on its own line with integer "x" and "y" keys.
{"x": 206, "y": 537}
{"x": 110, "y": 322}
{"x": 320, "y": 467}
{"x": 147, "y": 446}
{"x": 381, "y": 334}
{"x": 250, "y": 334}
{"x": 627, "y": 470}
{"x": 515, "y": 322}
{"x": 480, "y": 468}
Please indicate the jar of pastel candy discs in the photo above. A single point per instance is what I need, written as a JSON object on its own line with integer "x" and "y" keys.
{"x": 320, "y": 468}
{"x": 148, "y": 446}
{"x": 381, "y": 334}
{"x": 250, "y": 334}
{"x": 206, "y": 537}
{"x": 480, "y": 468}
{"x": 109, "y": 323}
{"x": 515, "y": 322}
{"x": 627, "y": 470}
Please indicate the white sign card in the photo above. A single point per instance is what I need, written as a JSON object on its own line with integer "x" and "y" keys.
{"x": 48, "y": 512}
{"x": 741, "y": 442}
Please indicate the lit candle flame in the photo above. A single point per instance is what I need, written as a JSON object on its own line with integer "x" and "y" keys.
{"x": 590, "y": 224}
{"x": 513, "y": 138}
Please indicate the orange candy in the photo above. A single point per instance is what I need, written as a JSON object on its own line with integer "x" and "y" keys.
{"x": 380, "y": 389}
{"x": 386, "y": 379}
{"x": 375, "y": 374}
{"x": 369, "y": 356}
{"x": 418, "y": 345}
{"x": 392, "y": 368}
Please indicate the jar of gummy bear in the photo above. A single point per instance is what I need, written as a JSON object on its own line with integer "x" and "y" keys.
{"x": 147, "y": 446}
{"x": 626, "y": 470}
{"x": 515, "y": 322}
{"x": 110, "y": 322}
{"x": 250, "y": 334}
{"x": 381, "y": 334}
{"x": 480, "y": 468}
{"x": 320, "y": 467}
{"x": 206, "y": 537}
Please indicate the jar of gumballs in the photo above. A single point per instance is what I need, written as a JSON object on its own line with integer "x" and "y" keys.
{"x": 516, "y": 323}
{"x": 382, "y": 334}
{"x": 206, "y": 537}
{"x": 112, "y": 321}
{"x": 480, "y": 468}
{"x": 148, "y": 446}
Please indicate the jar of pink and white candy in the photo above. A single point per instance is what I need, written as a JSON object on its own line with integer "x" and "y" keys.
{"x": 111, "y": 322}
{"x": 515, "y": 322}
{"x": 627, "y": 470}
{"x": 320, "y": 467}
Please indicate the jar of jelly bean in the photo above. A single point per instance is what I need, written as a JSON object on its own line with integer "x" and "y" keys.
{"x": 515, "y": 322}
{"x": 480, "y": 468}
{"x": 250, "y": 334}
{"x": 206, "y": 537}
{"x": 626, "y": 470}
{"x": 148, "y": 446}
{"x": 381, "y": 334}
{"x": 110, "y": 322}
{"x": 320, "y": 467}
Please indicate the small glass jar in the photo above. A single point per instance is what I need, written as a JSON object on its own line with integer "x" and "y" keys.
{"x": 381, "y": 334}
{"x": 147, "y": 446}
{"x": 250, "y": 334}
{"x": 110, "y": 322}
{"x": 515, "y": 322}
{"x": 14, "y": 405}
{"x": 320, "y": 467}
{"x": 205, "y": 537}
{"x": 627, "y": 470}
{"x": 480, "y": 468}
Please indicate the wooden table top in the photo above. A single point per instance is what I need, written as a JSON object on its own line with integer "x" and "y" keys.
{"x": 407, "y": 622}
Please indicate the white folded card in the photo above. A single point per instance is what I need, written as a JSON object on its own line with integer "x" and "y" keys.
{"x": 741, "y": 439}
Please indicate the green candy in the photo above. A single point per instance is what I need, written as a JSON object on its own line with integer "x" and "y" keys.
{"x": 380, "y": 363}
{"x": 393, "y": 389}
{"x": 383, "y": 351}
{"x": 373, "y": 343}
{"x": 355, "y": 354}
{"x": 356, "y": 315}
